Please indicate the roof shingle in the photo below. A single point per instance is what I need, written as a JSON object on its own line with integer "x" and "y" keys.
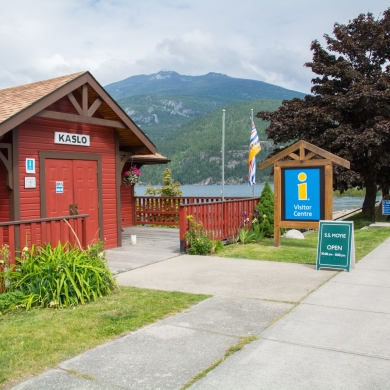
{"x": 16, "y": 99}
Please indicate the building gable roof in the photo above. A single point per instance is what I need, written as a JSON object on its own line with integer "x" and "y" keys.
{"x": 301, "y": 147}
{"x": 19, "y": 103}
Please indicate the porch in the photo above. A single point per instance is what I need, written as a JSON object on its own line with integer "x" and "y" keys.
{"x": 153, "y": 245}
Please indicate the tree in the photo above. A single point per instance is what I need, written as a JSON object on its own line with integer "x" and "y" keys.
{"x": 168, "y": 189}
{"x": 264, "y": 211}
{"x": 348, "y": 112}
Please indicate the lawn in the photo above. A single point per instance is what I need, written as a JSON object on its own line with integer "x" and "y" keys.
{"x": 301, "y": 251}
{"x": 34, "y": 341}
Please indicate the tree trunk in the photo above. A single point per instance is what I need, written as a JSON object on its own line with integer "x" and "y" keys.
{"x": 368, "y": 209}
{"x": 385, "y": 190}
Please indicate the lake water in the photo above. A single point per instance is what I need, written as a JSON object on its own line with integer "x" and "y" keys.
{"x": 244, "y": 190}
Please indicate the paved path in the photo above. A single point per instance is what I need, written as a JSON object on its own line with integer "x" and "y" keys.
{"x": 269, "y": 280}
{"x": 152, "y": 245}
{"x": 336, "y": 337}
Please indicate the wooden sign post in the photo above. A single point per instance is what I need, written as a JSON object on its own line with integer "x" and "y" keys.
{"x": 303, "y": 186}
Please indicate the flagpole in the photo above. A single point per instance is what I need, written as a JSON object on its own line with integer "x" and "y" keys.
{"x": 253, "y": 186}
{"x": 223, "y": 154}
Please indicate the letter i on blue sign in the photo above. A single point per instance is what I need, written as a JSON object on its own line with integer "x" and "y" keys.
{"x": 302, "y": 187}
{"x": 30, "y": 165}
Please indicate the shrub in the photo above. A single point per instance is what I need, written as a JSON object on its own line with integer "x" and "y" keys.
{"x": 218, "y": 246}
{"x": 169, "y": 188}
{"x": 264, "y": 212}
{"x": 61, "y": 276}
{"x": 199, "y": 241}
{"x": 245, "y": 236}
{"x": 10, "y": 300}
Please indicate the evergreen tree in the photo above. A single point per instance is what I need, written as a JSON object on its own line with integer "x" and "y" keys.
{"x": 169, "y": 187}
{"x": 264, "y": 211}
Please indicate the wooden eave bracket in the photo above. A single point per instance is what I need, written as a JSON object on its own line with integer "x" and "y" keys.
{"x": 124, "y": 157}
{"x": 301, "y": 147}
{"x": 7, "y": 162}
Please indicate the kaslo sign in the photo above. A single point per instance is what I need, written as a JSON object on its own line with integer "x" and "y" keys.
{"x": 71, "y": 139}
{"x": 303, "y": 186}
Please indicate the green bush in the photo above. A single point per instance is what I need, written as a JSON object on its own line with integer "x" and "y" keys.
{"x": 264, "y": 212}
{"x": 169, "y": 188}
{"x": 200, "y": 243}
{"x": 218, "y": 246}
{"x": 10, "y": 300}
{"x": 61, "y": 276}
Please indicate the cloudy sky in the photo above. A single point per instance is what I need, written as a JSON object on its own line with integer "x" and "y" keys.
{"x": 267, "y": 40}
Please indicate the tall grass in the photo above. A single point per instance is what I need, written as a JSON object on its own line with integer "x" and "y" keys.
{"x": 60, "y": 276}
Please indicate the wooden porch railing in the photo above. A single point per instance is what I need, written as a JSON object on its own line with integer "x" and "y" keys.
{"x": 163, "y": 211}
{"x": 222, "y": 219}
{"x": 19, "y": 234}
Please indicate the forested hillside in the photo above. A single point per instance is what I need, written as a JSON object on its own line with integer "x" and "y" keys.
{"x": 182, "y": 115}
{"x": 195, "y": 148}
{"x": 160, "y": 115}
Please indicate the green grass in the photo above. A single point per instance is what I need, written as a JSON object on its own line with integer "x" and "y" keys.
{"x": 33, "y": 341}
{"x": 301, "y": 251}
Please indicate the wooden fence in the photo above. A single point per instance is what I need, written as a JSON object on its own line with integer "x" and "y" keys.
{"x": 163, "y": 211}
{"x": 222, "y": 219}
{"x": 19, "y": 234}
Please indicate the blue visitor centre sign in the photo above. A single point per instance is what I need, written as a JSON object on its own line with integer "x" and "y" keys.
{"x": 302, "y": 193}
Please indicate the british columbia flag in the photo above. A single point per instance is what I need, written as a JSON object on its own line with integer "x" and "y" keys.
{"x": 254, "y": 148}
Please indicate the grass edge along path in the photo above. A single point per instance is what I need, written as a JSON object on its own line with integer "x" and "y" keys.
{"x": 34, "y": 341}
{"x": 230, "y": 351}
{"x": 301, "y": 251}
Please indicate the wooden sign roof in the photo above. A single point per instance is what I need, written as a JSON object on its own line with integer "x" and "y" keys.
{"x": 19, "y": 103}
{"x": 298, "y": 151}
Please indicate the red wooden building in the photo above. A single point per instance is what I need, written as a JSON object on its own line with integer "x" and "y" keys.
{"x": 64, "y": 147}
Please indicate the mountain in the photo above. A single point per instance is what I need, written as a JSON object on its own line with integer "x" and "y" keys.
{"x": 160, "y": 115}
{"x": 182, "y": 115}
{"x": 161, "y": 103}
{"x": 210, "y": 86}
{"x": 195, "y": 149}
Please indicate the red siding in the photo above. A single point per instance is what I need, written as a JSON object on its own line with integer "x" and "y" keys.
{"x": 66, "y": 106}
{"x": 4, "y": 196}
{"x": 127, "y": 194}
{"x": 38, "y": 134}
{"x": 63, "y": 105}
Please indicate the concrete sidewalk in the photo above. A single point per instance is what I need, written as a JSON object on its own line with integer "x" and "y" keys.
{"x": 337, "y": 337}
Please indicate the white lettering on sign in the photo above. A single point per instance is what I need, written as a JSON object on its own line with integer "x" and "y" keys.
{"x": 334, "y": 247}
{"x": 302, "y": 207}
{"x": 306, "y": 213}
{"x": 71, "y": 139}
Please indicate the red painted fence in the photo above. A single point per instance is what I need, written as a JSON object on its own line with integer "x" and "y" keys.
{"x": 163, "y": 211}
{"x": 222, "y": 219}
{"x": 19, "y": 234}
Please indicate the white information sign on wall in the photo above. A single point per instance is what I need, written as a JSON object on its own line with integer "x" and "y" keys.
{"x": 59, "y": 187}
{"x": 30, "y": 182}
{"x": 30, "y": 165}
{"x": 71, "y": 139}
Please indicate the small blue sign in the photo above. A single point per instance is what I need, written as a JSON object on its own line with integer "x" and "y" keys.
{"x": 302, "y": 193}
{"x": 30, "y": 165}
{"x": 59, "y": 187}
{"x": 385, "y": 207}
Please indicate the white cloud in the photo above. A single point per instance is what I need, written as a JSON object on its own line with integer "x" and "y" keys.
{"x": 115, "y": 39}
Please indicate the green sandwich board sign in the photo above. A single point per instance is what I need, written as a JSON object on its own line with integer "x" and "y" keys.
{"x": 336, "y": 245}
